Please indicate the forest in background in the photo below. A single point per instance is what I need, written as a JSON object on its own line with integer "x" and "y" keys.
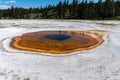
{"x": 108, "y": 9}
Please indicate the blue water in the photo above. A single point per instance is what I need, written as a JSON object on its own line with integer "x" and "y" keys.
{"x": 59, "y": 37}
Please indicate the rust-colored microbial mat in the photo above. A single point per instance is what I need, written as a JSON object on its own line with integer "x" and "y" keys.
{"x": 56, "y": 42}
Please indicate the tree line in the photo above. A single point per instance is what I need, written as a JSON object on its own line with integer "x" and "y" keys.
{"x": 85, "y": 9}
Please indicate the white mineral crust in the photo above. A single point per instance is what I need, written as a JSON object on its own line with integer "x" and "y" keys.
{"x": 101, "y": 63}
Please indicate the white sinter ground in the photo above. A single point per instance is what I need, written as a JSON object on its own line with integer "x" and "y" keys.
{"x": 101, "y": 63}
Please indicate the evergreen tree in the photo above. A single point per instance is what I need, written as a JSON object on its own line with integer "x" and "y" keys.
{"x": 100, "y": 9}
{"x": 65, "y": 10}
{"x": 74, "y": 8}
{"x": 59, "y": 10}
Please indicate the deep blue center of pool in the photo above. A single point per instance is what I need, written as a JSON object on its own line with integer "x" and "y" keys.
{"x": 59, "y": 37}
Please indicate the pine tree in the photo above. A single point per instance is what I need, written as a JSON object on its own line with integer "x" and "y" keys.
{"x": 65, "y": 10}
{"x": 74, "y": 9}
{"x": 60, "y": 10}
{"x": 100, "y": 9}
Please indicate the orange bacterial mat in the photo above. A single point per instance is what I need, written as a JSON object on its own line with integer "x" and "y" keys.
{"x": 56, "y": 42}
